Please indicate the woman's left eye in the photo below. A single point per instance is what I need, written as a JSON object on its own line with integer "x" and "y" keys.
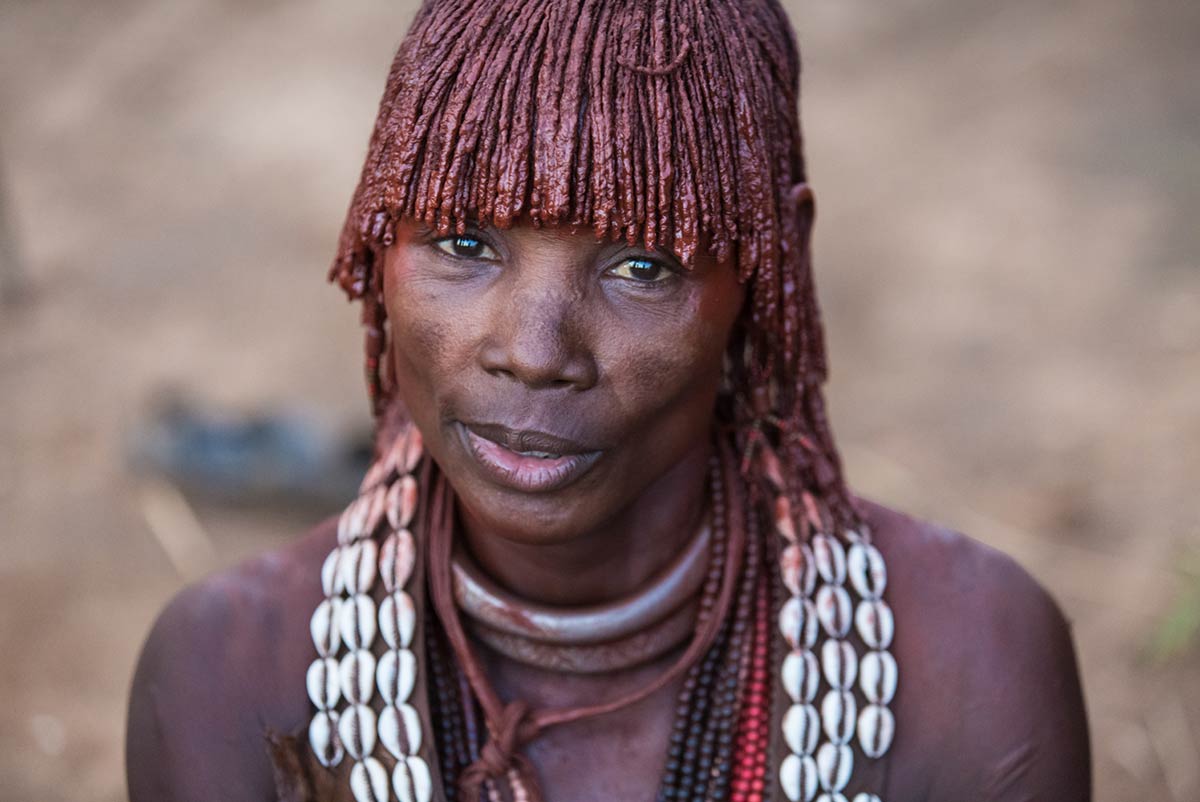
{"x": 643, "y": 271}
{"x": 465, "y": 246}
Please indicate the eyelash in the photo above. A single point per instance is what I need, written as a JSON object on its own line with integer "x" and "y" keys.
{"x": 448, "y": 245}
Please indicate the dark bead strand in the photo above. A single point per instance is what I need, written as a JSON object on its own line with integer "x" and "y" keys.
{"x": 777, "y": 649}
{"x": 693, "y": 699}
{"x": 744, "y": 629}
{"x": 446, "y": 715}
{"x": 714, "y": 768}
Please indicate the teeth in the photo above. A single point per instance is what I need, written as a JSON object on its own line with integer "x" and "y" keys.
{"x": 539, "y": 454}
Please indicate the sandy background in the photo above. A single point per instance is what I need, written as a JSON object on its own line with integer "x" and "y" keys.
{"x": 1007, "y": 252}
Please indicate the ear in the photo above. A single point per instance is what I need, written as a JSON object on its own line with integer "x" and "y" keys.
{"x": 803, "y": 209}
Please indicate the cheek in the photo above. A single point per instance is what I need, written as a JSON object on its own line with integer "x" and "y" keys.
{"x": 672, "y": 362}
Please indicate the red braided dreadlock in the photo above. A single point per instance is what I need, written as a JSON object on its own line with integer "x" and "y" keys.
{"x": 670, "y": 122}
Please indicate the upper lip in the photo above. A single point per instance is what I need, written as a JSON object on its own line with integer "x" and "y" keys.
{"x": 527, "y": 440}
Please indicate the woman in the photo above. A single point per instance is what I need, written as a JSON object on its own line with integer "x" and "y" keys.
{"x": 606, "y": 550}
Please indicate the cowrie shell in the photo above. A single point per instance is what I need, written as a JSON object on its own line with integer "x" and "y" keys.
{"x": 357, "y": 675}
{"x": 369, "y": 781}
{"x": 801, "y": 729}
{"x": 323, "y": 738}
{"x": 357, "y": 620}
{"x": 400, "y": 730}
{"x": 376, "y": 506}
{"x": 838, "y": 710}
{"x": 840, "y": 664}
{"x": 358, "y": 565}
{"x": 865, "y": 797}
{"x": 876, "y": 726}
{"x": 834, "y": 765}
{"x": 411, "y": 780}
{"x": 785, "y": 524}
{"x": 798, "y": 622}
{"x": 322, "y": 680}
{"x": 800, "y": 675}
{"x": 798, "y": 778}
{"x": 798, "y": 570}
{"x": 396, "y": 675}
{"x": 868, "y": 573}
{"x": 830, "y": 558}
{"x": 877, "y": 677}
{"x": 331, "y": 573}
{"x": 352, "y": 525}
{"x": 406, "y": 450}
{"x": 402, "y": 502}
{"x": 835, "y": 797}
{"x": 397, "y": 619}
{"x": 325, "y": 627}
{"x": 875, "y": 623}
{"x": 396, "y": 559}
{"x": 835, "y": 610}
{"x": 357, "y": 731}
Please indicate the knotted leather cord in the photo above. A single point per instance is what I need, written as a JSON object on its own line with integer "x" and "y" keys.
{"x": 513, "y": 724}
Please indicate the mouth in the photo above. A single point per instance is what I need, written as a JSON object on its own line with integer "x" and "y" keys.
{"x": 525, "y": 460}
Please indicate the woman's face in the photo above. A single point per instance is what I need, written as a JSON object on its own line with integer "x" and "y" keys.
{"x": 557, "y": 380}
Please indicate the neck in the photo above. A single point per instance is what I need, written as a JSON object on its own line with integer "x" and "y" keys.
{"x": 609, "y": 561}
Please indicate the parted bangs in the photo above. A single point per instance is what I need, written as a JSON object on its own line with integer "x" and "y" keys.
{"x": 670, "y": 122}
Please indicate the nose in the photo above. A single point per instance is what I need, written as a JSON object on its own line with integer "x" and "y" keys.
{"x": 538, "y": 338}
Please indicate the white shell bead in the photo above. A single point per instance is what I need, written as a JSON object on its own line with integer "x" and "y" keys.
{"x": 411, "y": 780}
{"x": 876, "y": 726}
{"x": 838, "y": 711}
{"x": 322, "y": 680}
{"x": 867, "y": 571}
{"x": 358, "y": 565}
{"x": 397, "y": 618}
{"x": 352, "y": 524}
{"x": 876, "y": 626}
{"x": 396, "y": 674}
{"x": 798, "y": 778}
{"x": 831, "y": 797}
{"x": 376, "y": 509}
{"x": 865, "y": 797}
{"x": 400, "y": 730}
{"x": 798, "y": 570}
{"x": 396, "y": 559}
{"x": 357, "y": 731}
{"x": 357, "y": 673}
{"x": 800, "y": 675}
{"x": 331, "y": 574}
{"x": 834, "y": 765}
{"x": 402, "y": 502}
{"x": 798, "y": 622}
{"x": 877, "y": 677}
{"x": 324, "y": 627}
{"x": 839, "y": 663}
{"x": 801, "y": 729}
{"x": 323, "y": 738}
{"x": 406, "y": 451}
{"x": 835, "y": 610}
{"x": 357, "y": 619}
{"x": 830, "y": 558}
{"x": 369, "y": 781}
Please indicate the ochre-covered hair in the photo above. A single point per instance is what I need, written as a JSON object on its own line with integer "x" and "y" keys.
{"x": 670, "y": 122}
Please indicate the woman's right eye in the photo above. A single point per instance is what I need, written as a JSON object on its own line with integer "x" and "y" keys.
{"x": 465, "y": 246}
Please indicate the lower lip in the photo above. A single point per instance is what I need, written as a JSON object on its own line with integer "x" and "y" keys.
{"x": 527, "y": 474}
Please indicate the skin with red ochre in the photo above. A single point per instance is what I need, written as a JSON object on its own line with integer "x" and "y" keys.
{"x": 617, "y": 350}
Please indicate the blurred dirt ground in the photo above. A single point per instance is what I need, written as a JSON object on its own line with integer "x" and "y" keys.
{"x": 1007, "y": 253}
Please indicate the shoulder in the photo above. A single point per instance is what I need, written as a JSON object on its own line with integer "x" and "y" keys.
{"x": 989, "y": 681}
{"x": 222, "y": 665}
